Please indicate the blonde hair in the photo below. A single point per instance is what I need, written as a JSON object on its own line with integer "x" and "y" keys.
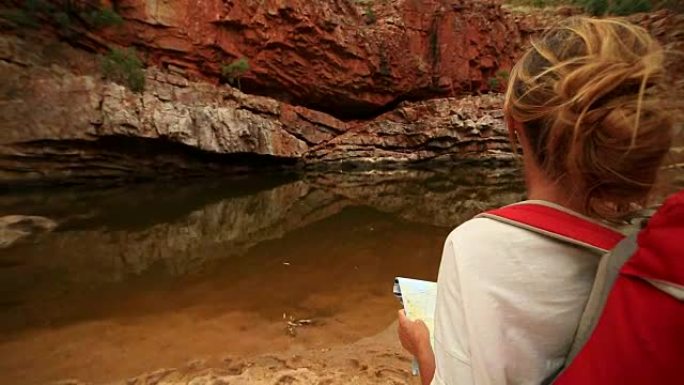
{"x": 590, "y": 96}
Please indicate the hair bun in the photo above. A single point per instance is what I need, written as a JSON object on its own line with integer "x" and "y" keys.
{"x": 590, "y": 94}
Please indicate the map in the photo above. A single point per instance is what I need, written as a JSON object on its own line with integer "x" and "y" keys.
{"x": 419, "y": 298}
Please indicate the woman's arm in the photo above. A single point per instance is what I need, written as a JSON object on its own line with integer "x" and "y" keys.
{"x": 448, "y": 363}
{"x": 415, "y": 338}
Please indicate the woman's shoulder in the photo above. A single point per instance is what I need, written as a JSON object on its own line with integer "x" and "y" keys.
{"x": 491, "y": 239}
{"x": 484, "y": 243}
{"x": 487, "y": 231}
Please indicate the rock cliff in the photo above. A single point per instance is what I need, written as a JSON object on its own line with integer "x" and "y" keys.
{"x": 349, "y": 58}
{"x": 62, "y": 121}
{"x": 61, "y": 125}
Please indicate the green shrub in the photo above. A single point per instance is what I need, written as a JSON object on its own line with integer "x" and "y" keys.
{"x": 493, "y": 84}
{"x": 38, "y": 6}
{"x": 20, "y": 18}
{"x": 124, "y": 66}
{"x": 628, "y": 7}
{"x": 371, "y": 18}
{"x": 27, "y": 15}
{"x": 503, "y": 74}
{"x": 62, "y": 19}
{"x": 539, "y": 3}
{"x": 101, "y": 17}
{"x": 595, "y": 7}
{"x": 234, "y": 71}
{"x": 62, "y": 14}
{"x": 499, "y": 79}
{"x": 615, "y": 7}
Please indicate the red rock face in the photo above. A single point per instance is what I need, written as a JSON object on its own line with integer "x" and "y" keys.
{"x": 345, "y": 57}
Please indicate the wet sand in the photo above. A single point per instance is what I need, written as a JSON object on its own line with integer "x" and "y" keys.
{"x": 314, "y": 359}
{"x": 373, "y": 360}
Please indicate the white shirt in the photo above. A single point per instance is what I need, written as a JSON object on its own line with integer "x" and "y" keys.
{"x": 508, "y": 304}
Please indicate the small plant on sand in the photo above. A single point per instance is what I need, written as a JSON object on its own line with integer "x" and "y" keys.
{"x": 124, "y": 66}
{"x": 234, "y": 71}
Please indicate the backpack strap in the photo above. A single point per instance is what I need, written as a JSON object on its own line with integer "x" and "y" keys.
{"x": 558, "y": 223}
{"x": 606, "y": 274}
{"x": 564, "y": 225}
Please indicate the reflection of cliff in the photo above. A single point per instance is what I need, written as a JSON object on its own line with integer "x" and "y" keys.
{"x": 442, "y": 197}
{"x": 179, "y": 245}
{"x": 116, "y": 233}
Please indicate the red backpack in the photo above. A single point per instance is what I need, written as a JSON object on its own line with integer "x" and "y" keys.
{"x": 632, "y": 328}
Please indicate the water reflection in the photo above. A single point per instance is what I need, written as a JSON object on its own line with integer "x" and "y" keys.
{"x": 168, "y": 273}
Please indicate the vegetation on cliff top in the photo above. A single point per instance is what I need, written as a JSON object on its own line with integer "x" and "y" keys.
{"x": 368, "y": 13}
{"x": 125, "y": 67}
{"x": 63, "y": 14}
{"x": 602, "y": 7}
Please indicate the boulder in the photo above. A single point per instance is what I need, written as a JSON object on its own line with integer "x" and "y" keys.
{"x": 14, "y": 228}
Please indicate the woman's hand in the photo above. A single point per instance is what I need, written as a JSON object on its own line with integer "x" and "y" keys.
{"x": 414, "y": 335}
{"x": 415, "y": 338}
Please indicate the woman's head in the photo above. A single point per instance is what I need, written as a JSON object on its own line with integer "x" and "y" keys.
{"x": 588, "y": 98}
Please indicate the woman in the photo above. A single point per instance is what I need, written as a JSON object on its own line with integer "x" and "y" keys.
{"x": 585, "y": 105}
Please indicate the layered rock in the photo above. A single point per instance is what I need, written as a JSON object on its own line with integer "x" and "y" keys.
{"x": 59, "y": 125}
{"x": 668, "y": 28}
{"x": 62, "y": 122}
{"x": 437, "y": 129}
{"x": 14, "y": 228}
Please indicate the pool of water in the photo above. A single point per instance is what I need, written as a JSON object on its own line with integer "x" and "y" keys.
{"x": 140, "y": 277}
